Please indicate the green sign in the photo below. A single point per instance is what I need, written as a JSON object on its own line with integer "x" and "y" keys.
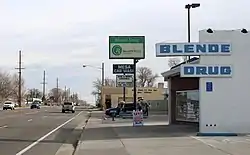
{"x": 126, "y": 47}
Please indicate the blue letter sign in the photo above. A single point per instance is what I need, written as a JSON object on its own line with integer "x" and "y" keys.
{"x": 192, "y": 49}
{"x": 198, "y": 70}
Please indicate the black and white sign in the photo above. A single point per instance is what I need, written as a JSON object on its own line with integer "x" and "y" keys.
{"x": 123, "y": 68}
{"x": 128, "y": 84}
{"x": 124, "y": 80}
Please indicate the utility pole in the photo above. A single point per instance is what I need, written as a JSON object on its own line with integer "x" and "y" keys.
{"x": 65, "y": 93}
{"x": 20, "y": 79}
{"x": 44, "y": 85}
{"x": 103, "y": 84}
{"x": 57, "y": 90}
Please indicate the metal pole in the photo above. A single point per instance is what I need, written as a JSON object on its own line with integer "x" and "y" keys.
{"x": 20, "y": 80}
{"x": 65, "y": 93}
{"x": 44, "y": 83}
{"x": 124, "y": 90}
{"x": 57, "y": 90}
{"x": 103, "y": 84}
{"x": 189, "y": 29}
{"x": 135, "y": 99}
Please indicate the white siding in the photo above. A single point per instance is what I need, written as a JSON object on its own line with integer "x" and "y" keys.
{"x": 228, "y": 106}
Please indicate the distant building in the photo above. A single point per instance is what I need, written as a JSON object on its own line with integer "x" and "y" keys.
{"x": 113, "y": 95}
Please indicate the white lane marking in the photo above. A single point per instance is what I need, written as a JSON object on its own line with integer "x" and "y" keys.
{"x": 45, "y": 116}
{"x": 29, "y": 120}
{"x": 5, "y": 126}
{"x": 45, "y": 136}
{"x": 31, "y": 112}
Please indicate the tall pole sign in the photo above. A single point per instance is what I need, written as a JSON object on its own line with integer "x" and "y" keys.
{"x": 127, "y": 47}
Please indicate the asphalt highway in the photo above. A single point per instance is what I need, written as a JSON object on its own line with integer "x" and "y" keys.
{"x": 38, "y": 131}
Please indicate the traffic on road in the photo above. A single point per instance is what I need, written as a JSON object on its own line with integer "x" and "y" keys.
{"x": 41, "y": 131}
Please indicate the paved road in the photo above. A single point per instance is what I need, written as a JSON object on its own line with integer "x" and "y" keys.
{"x": 28, "y": 131}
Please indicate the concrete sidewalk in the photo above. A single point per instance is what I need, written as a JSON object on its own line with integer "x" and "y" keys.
{"x": 119, "y": 137}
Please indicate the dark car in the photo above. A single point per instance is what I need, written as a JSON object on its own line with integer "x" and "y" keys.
{"x": 35, "y": 105}
{"x": 110, "y": 111}
{"x": 125, "y": 108}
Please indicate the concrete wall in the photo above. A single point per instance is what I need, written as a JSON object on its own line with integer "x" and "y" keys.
{"x": 226, "y": 109}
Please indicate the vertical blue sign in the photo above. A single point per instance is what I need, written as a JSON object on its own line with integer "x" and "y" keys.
{"x": 209, "y": 86}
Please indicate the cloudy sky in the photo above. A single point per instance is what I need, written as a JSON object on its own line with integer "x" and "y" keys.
{"x": 60, "y": 35}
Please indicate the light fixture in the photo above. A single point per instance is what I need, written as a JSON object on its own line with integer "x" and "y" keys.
{"x": 244, "y": 31}
{"x": 210, "y": 31}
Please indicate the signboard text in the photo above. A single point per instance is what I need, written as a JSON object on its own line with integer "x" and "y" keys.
{"x": 189, "y": 49}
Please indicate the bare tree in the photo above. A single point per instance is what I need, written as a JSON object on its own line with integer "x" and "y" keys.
{"x": 5, "y": 86}
{"x": 54, "y": 96}
{"x": 173, "y": 62}
{"x": 145, "y": 77}
{"x": 15, "y": 86}
{"x": 97, "y": 85}
{"x": 34, "y": 93}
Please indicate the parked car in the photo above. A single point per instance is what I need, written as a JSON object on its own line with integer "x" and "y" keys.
{"x": 8, "y": 105}
{"x": 121, "y": 109}
{"x": 110, "y": 111}
{"x": 35, "y": 105}
{"x": 68, "y": 106}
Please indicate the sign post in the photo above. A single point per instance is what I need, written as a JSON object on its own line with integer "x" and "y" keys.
{"x": 127, "y": 47}
{"x": 124, "y": 91}
{"x": 123, "y": 68}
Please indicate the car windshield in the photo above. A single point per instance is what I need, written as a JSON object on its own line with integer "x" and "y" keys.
{"x": 67, "y": 103}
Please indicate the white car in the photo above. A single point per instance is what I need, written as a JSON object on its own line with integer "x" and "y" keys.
{"x": 68, "y": 106}
{"x": 8, "y": 105}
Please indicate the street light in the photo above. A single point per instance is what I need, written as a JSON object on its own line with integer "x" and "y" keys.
{"x": 102, "y": 78}
{"x": 188, "y": 7}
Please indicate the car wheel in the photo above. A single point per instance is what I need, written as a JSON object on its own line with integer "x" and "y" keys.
{"x": 63, "y": 111}
{"x": 73, "y": 111}
{"x": 3, "y": 108}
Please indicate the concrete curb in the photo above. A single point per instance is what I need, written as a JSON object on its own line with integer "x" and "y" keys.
{"x": 216, "y": 134}
{"x": 80, "y": 137}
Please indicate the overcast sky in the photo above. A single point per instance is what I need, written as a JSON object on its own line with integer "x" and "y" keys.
{"x": 61, "y": 35}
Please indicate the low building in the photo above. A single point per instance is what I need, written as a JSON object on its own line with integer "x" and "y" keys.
{"x": 113, "y": 95}
{"x": 213, "y": 90}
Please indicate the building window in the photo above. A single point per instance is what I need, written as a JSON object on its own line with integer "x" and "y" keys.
{"x": 187, "y": 105}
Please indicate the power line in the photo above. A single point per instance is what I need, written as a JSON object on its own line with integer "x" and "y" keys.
{"x": 20, "y": 68}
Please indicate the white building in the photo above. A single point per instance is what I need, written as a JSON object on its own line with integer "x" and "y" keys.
{"x": 225, "y": 109}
